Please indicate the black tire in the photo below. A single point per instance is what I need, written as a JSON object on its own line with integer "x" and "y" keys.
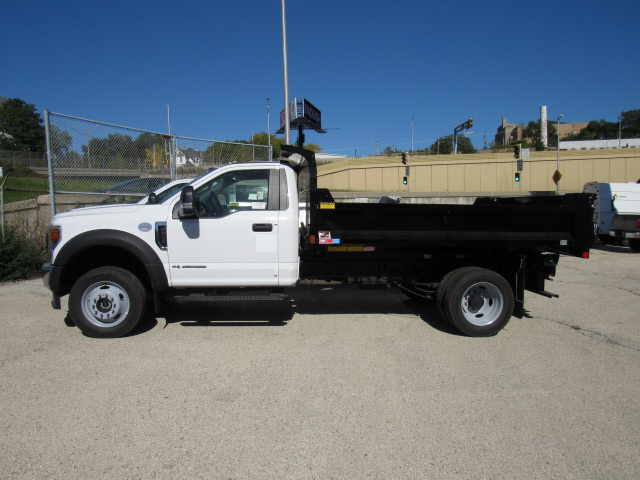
{"x": 634, "y": 244}
{"x": 107, "y": 302}
{"x": 444, "y": 284}
{"x": 479, "y": 303}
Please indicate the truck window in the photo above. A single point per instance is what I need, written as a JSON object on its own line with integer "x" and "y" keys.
{"x": 233, "y": 192}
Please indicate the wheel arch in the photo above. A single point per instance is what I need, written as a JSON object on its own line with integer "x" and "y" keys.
{"x": 99, "y": 248}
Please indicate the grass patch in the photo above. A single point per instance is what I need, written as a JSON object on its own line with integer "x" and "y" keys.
{"x": 24, "y": 188}
{"x": 575, "y": 327}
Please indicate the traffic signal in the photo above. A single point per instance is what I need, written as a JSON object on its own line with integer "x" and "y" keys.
{"x": 517, "y": 176}
{"x": 516, "y": 151}
{"x": 404, "y": 159}
{"x": 469, "y": 123}
{"x": 404, "y": 180}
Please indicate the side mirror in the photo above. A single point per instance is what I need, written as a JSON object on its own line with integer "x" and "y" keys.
{"x": 152, "y": 198}
{"x": 187, "y": 209}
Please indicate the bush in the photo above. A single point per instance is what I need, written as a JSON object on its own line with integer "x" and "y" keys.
{"x": 21, "y": 256}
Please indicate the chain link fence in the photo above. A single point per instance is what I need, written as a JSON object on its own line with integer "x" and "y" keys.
{"x": 96, "y": 163}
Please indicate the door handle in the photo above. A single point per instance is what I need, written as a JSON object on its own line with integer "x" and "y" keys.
{"x": 262, "y": 227}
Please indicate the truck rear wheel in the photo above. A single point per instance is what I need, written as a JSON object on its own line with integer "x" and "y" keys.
{"x": 634, "y": 244}
{"x": 107, "y": 302}
{"x": 479, "y": 302}
{"x": 446, "y": 281}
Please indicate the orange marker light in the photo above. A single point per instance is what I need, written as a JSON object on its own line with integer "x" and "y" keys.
{"x": 54, "y": 234}
{"x": 312, "y": 239}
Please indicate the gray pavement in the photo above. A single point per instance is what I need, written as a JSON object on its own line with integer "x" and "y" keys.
{"x": 341, "y": 384}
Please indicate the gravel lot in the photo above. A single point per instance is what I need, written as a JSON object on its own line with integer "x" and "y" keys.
{"x": 341, "y": 384}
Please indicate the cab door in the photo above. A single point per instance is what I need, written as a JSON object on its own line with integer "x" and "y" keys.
{"x": 233, "y": 241}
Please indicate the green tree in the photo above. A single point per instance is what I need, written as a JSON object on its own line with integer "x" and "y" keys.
{"x": 532, "y": 137}
{"x": 262, "y": 138}
{"x": 313, "y": 147}
{"x": 631, "y": 124}
{"x": 444, "y": 145}
{"x": 388, "y": 151}
{"x": 21, "y": 127}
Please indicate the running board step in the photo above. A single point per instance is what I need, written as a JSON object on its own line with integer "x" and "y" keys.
{"x": 547, "y": 294}
{"x": 229, "y": 298}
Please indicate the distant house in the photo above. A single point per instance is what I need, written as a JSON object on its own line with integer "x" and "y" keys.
{"x": 189, "y": 156}
{"x": 508, "y": 132}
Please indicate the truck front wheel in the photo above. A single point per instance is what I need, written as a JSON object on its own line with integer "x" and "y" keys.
{"x": 107, "y": 302}
{"x": 479, "y": 303}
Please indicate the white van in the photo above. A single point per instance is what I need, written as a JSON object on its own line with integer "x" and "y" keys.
{"x": 617, "y": 212}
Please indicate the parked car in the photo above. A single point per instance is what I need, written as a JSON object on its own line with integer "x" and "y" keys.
{"x": 134, "y": 186}
{"x": 166, "y": 191}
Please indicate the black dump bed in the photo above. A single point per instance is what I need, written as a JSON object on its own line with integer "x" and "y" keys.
{"x": 396, "y": 237}
{"x": 560, "y": 224}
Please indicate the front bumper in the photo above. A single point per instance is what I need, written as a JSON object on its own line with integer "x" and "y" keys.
{"x": 618, "y": 234}
{"x": 47, "y": 269}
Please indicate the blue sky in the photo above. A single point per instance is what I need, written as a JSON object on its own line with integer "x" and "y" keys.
{"x": 367, "y": 65}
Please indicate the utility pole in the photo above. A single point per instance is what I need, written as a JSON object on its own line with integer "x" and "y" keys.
{"x": 372, "y": 143}
{"x": 558, "y": 167}
{"x": 287, "y": 116}
{"x": 412, "y": 133}
{"x": 268, "y": 125}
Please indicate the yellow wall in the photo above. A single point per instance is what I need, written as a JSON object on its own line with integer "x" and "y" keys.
{"x": 485, "y": 172}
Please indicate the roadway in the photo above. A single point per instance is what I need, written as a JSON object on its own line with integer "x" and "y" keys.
{"x": 338, "y": 383}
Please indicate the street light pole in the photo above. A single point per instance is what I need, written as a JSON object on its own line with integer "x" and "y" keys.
{"x": 412, "y": 133}
{"x": 287, "y": 116}
{"x": 268, "y": 125}
{"x": 558, "y": 167}
{"x": 620, "y": 130}
{"x": 372, "y": 143}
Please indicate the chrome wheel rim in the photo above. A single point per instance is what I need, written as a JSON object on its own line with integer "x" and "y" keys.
{"x": 482, "y": 304}
{"x": 105, "y": 304}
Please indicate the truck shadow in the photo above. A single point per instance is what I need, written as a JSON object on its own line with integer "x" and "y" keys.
{"x": 305, "y": 300}
{"x": 612, "y": 248}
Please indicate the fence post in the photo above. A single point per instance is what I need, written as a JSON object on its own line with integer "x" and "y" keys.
{"x": 47, "y": 129}
{"x": 174, "y": 147}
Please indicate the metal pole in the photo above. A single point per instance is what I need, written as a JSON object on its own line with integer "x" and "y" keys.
{"x": 620, "y": 130}
{"x": 2, "y": 201}
{"x": 408, "y": 172}
{"x": 558, "y": 167}
{"x": 372, "y": 143}
{"x": 287, "y": 117}
{"x": 412, "y": 133}
{"x": 47, "y": 130}
{"x": 88, "y": 150}
{"x": 268, "y": 126}
{"x": 174, "y": 153}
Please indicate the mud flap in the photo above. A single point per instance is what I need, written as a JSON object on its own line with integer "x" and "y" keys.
{"x": 518, "y": 290}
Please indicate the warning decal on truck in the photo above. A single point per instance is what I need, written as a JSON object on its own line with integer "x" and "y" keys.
{"x": 325, "y": 238}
